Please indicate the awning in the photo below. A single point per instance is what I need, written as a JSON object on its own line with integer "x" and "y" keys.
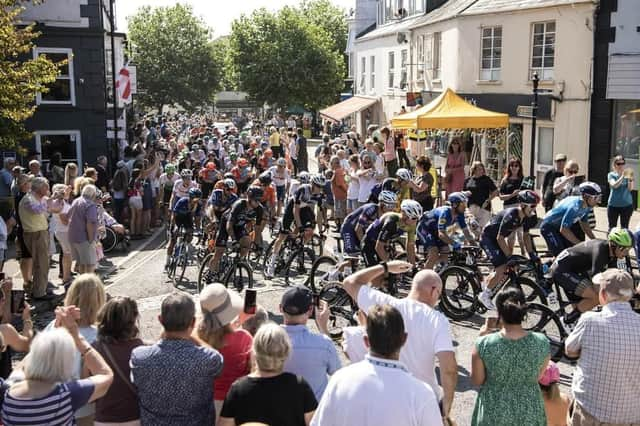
{"x": 450, "y": 111}
{"x": 345, "y": 108}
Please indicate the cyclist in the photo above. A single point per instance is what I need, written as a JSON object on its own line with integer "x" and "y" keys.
{"x": 404, "y": 184}
{"x": 182, "y": 186}
{"x": 221, "y": 198}
{"x": 388, "y": 184}
{"x": 388, "y": 228}
{"x": 242, "y": 174}
{"x": 357, "y": 222}
{"x": 575, "y": 267}
{"x": 282, "y": 179}
{"x": 268, "y": 202}
{"x": 556, "y": 225}
{"x": 185, "y": 210}
{"x": 166, "y": 181}
{"x": 299, "y": 213}
{"x": 434, "y": 229}
{"x": 495, "y": 236}
{"x": 236, "y": 223}
{"x": 208, "y": 177}
{"x": 303, "y": 178}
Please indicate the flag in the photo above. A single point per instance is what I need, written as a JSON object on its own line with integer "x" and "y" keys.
{"x": 123, "y": 86}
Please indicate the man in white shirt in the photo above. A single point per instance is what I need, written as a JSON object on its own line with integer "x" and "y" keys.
{"x": 428, "y": 330}
{"x": 379, "y": 390}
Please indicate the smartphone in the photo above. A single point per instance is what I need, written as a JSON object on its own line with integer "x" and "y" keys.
{"x": 17, "y": 301}
{"x": 250, "y": 301}
{"x": 316, "y": 305}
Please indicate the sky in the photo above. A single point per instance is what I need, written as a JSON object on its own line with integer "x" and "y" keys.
{"x": 217, "y": 14}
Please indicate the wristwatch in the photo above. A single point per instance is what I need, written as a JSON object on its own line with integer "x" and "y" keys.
{"x": 386, "y": 268}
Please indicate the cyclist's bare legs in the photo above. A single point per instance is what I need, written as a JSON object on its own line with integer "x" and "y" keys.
{"x": 589, "y": 300}
{"x": 434, "y": 256}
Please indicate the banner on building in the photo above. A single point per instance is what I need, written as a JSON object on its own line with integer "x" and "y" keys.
{"x": 414, "y": 98}
{"x": 123, "y": 86}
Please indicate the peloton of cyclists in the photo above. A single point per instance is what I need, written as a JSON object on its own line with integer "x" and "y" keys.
{"x": 357, "y": 222}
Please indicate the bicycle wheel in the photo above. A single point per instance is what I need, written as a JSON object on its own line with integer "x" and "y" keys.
{"x": 317, "y": 244}
{"x": 322, "y": 273}
{"x": 205, "y": 275}
{"x": 298, "y": 267}
{"x": 109, "y": 241}
{"x": 341, "y": 307}
{"x": 532, "y": 291}
{"x": 543, "y": 320}
{"x": 460, "y": 288}
{"x": 181, "y": 264}
{"x": 240, "y": 276}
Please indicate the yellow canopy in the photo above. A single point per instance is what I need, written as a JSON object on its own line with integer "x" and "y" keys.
{"x": 450, "y": 111}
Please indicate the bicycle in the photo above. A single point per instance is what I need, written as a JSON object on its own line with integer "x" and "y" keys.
{"x": 235, "y": 270}
{"x": 462, "y": 278}
{"x": 179, "y": 257}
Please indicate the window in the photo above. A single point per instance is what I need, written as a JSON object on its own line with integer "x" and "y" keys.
{"x": 491, "y": 49}
{"x": 437, "y": 44}
{"x": 543, "y": 50}
{"x": 392, "y": 69}
{"x": 66, "y": 142}
{"x": 626, "y": 128}
{"x": 61, "y": 91}
{"x": 352, "y": 58}
{"x": 416, "y": 7}
{"x": 363, "y": 73}
{"x": 372, "y": 64}
{"x": 544, "y": 152}
{"x": 420, "y": 61}
{"x": 403, "y": 69}
{"x": 432, "y": 45}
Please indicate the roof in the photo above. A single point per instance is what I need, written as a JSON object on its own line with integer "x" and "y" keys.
{"x": 449, "y": 10}
{"x": 450, "y": 111}
{"x": 347, "y": 107}
{"x": 389, "y": 29}
{"x": 496, "y": 6}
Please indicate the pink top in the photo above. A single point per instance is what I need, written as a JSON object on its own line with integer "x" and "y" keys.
{"x": 236, "y": 353}
{"x": 389, "y": 149}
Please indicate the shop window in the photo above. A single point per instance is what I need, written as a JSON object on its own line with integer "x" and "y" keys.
{"x": 61, "y": 91}
{"x": 626, "y": 129}
{"x": 66, "y": 142}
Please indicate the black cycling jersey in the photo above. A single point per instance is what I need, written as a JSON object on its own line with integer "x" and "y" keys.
{"x": 388, "y": 227}
{"x": 505, "y": 222}
{"x": 587, "y": 258}
{"x": 240, "y": 213}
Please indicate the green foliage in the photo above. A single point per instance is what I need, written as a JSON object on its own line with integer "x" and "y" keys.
{"x": 286, "y": 59}
{"x": 175, "y": 61}
{"x": 20, "y": 78}
{"x": 329, "y": 17}
{"x": 221, "y": 51}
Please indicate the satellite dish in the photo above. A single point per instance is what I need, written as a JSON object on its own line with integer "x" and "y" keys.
{"x": 401, "y": 37}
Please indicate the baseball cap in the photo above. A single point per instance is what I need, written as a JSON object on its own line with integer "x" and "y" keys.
{"x": 296, "y": 300}
{"x": 550, "y": 375}
{"x": 223, "y": 304}
{"x": 561, "y": 157}
{"x": 615, "y": 282}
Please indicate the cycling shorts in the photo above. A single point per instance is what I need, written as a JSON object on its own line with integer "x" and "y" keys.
{"x": 556, "y": 242}
{"x": 281, "y": 192}
{"x": 350, "y": 240}
{"x": 574, "y": 284}
{"x": 493, "y": 251}
{"x": 369, "y": 254}
{"x": 307, "y": 218}
{"x": 223, "y": 236}
{"x": 184, "y": 220}
{"x": 427, "y": 233}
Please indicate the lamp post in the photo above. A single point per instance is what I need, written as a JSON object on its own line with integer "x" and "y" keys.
{"x": 534, "y": 113}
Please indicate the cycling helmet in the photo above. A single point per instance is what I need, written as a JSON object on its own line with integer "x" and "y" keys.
{"x": 411, "y": 208}
{"x": 390, "y": 184}
{"x": 529, "y": 197}
{"x": 281, "y": 162}
{"x": 404, "y": 174}
{"x": 318, "y": 180}
{"x": 186, "y": 173}
{"x": 229, "y": 183}
{"x": 388, "y": 198}
{"x": 265, "y": 178}
{"x": 590, "y": 188}
{"x": 242, "y": 162}
{"x": 211, "y": 165}
{"x": 620, "y": 237}
{"x": 229, "y": 175}
{"x": 233, "y": 156}
{"x": 195, "y": 193}
{"x": 169, "y": 168}
{"x": 258, "y": 152}
{"x": 457, "y": 198}
{"x": 195, "y": 147}
{"x": 304, "y": 177}
{"x": 255, "y": 192}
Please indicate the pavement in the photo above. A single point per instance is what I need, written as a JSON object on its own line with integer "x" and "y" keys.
{"x": 138, "y": 273}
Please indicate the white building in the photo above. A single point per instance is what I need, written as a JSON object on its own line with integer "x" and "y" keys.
{"x": 487, "y": 51}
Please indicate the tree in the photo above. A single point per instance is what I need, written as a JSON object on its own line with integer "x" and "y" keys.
{"x": 222, "y": 53}
{"x": 283, "y": 59}
{"x": 20, "y": 78}
{"x": 330, "y": 18}
{"x": 174, "y": 58}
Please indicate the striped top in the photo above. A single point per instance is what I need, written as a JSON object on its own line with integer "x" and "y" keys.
{"x": 53, "y": 409}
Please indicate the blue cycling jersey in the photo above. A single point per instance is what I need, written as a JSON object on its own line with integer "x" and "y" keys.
{"x": 183, "y": 206}
{"x": 363, "y": 215}
{"x": 440, "y": 219}
{"x": 217, "y": 199}
{"x": 567, "y": 212}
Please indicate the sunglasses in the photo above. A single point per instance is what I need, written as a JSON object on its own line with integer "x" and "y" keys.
{"x": 515, "y": 165}
{"x": 621, "y": 164}
{"x": 573, "y": 172}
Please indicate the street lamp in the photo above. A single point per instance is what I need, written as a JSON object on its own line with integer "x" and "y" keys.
{"x": 534, "y": 113}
